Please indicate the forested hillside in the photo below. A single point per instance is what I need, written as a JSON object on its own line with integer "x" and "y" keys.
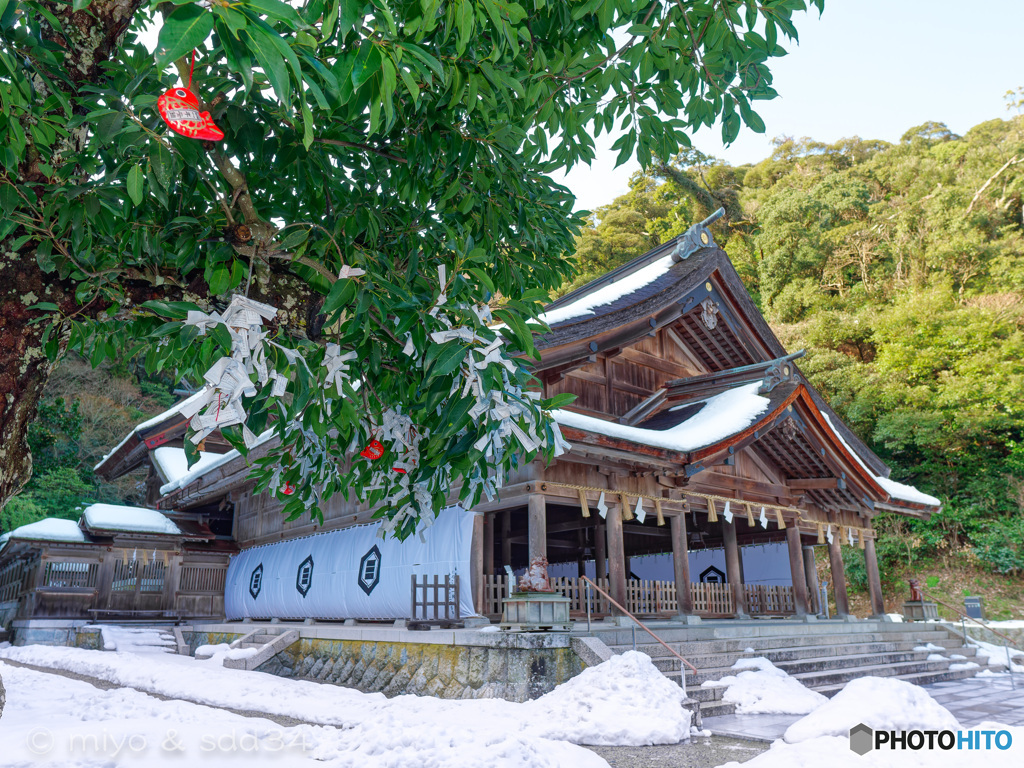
{"x": 900, "y": 268}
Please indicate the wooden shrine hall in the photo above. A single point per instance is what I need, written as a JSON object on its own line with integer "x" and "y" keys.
{"x": 692, "y": 429}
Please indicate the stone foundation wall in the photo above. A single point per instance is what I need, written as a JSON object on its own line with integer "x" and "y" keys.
{"x": 512, "y": 667}
{"x": 71, "y": 636}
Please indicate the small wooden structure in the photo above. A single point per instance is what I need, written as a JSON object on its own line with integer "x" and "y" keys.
{"x": 110, "y": 567}
{"x": 693, "y": 428}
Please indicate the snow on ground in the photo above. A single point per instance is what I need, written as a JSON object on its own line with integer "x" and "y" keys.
{"x": 929, "y": 647}
{"x": 624, "y": 701}
{"x": 880, "y": 702}
{"x": 137, "y": 640}
{"x": 761, "y": 688}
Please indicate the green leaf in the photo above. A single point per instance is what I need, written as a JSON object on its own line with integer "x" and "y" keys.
{"x": 751, "y": 118}
{"x": 266, "y": 53}
{"x": 80, "y": 5}
{"x": 275, "y": 9}
{"x": 183, "y": 31}
{"x": 367, "y": 63}
{"x": 448, "y": 359}
{"x": 136, "y": 181}
{"x": 220, "y": 279}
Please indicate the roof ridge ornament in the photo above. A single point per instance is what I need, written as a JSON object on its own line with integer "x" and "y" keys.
{"x": 696, "y": 237}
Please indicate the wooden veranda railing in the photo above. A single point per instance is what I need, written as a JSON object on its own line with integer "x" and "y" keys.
{"x": 648, "y": 597}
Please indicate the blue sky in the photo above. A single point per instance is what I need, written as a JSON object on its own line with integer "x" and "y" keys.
{"x": 872, "y": 68}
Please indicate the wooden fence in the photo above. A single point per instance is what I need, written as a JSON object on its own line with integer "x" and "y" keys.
{"x": 652, "y": 597}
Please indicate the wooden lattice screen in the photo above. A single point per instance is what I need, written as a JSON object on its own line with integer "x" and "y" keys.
{"x": 433, "y": 595}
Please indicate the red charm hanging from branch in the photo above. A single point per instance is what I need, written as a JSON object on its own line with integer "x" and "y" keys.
{"x": 179, "y": 108}
{"x": 373, "y": 451}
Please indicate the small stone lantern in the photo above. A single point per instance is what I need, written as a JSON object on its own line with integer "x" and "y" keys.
{"x": 535, "y": 606}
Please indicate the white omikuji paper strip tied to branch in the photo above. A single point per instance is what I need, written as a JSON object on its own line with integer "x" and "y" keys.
{"x": 349, "y": 574}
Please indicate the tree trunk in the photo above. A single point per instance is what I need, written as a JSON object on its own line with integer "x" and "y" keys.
{"x": 24, "y": 369}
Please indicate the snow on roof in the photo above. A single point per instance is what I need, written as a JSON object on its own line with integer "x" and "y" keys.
{"x": 111, "y": 517}
{"x": 172, "y": 464}
{"x": 894, "y": 489}
{"x": 50, "y": 529}
{"x": 152, "y": 422}
{"x": 624, "y": 286}
{"x": 723, "y": 415}
{"x": 201, "y": 467}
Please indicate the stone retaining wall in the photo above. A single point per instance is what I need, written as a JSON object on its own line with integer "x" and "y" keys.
{"x": 515, "y": 667}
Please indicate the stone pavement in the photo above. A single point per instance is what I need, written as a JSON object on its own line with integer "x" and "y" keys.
{"x": 976, "y": 699}
{"x": 971, "y": 700}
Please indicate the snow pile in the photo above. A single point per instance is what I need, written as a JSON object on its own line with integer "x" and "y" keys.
{"x": 723, "y": 415}
{"x": 762, "y": 689}
{"x": 50, "y": 529}
{"x": 114, "y": 517}
{"x": 936, "y": 657}
{"x": 623, "y": 701}
{"x": 995, "y": 655}
{"x": 929, "y": 647}
{"x": 217, "y": 653}
{"x": 963, "y": 665}
{"x": 137, "y": 640}
{"x": 608, "y": 294}
{"x": 880, "y": 702}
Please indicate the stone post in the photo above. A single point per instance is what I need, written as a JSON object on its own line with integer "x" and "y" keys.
{"x": 537, "y": 524}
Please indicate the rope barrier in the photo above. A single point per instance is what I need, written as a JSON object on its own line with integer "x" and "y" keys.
{"x": 628, "y": 514}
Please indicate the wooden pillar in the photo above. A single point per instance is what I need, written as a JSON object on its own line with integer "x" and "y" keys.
{"x": 874, "y": 579}
{"x": 796, "y": 568}
{"x": 811, "y": 574}
{"x": 476, "y": 564}
{"x": 681, "y": 563}
{"x": 537, "y": 524}
{"x": 835, "y": 558}
{"x": 600, "y": 562}
{"x": 733, "y": 569}
{"x": 506, "y": 538}
{"x": 489, "y": 544}
{"x": 616, "y": 557}
{"x": 172, "y": 578}
{"x": 105, "y": 578}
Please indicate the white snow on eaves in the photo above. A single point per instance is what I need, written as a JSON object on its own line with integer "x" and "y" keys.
{"x": 610, "y": 293}
{"x": 172, "y": 463}
{"x": 201, "y": 467}
{"x": 152, "y": 422}
{"x": 894, "y": 489}
{"x": 50, "y": 529}
{"x": 112, "y": 517}
{"x": 723, "y": 415}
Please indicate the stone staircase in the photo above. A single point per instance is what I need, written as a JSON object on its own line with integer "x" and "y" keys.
{"x": 823, "y": 655}
{"x": 266, "y": 642}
